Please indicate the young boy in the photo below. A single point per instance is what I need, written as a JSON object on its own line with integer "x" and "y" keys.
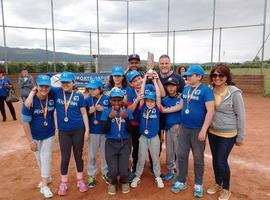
{"x": 172, "y": 125}
{"x": 115, "y": 124}
{"x": 149, "y": 128}
{"x": 197, "y": 103}
{"x": 95, "y": 103}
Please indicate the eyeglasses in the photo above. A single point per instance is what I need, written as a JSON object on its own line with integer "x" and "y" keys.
{"x": 218, "y": 75}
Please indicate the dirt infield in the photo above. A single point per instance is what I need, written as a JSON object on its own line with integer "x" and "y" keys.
{"x": 250, "y": 165}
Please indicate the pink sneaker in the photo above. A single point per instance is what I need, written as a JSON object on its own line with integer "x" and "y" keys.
{"x": 62, "y": 189}
{"x": 81, "y": 185}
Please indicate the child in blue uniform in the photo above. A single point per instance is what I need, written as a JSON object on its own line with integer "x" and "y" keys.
{"x": 197, "y": 103}
{"x": 149, "y": 129}
{"x": 115, "y": 124}
{"x": 172, "y": 125}
{"x": 95, "y": 104}
{"x": 39, "y": 127}
{"x": 116, "y": 79}
{"x": 73, "y": 127}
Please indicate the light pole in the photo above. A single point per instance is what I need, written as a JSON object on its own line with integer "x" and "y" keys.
{"x": 54, "y": 67}
{"x": 168, "y": 26}
{"x": 4, "y": 36}
{"x": 127, "y": 21}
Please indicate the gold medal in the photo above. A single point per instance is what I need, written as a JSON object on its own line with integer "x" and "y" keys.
{"x": 66, "y": 104}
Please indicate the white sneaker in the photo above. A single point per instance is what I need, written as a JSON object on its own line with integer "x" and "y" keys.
{"x": 48, "y": 182}
{"x": 159, "y": 182}
{"x": 45, "y": 190}
{"x": 135, "y": 182}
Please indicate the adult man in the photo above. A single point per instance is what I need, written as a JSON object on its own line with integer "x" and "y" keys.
{"x": 26, "y": 83}
{"x": 165, "y": 72}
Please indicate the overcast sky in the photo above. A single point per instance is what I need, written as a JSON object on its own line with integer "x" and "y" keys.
{"x": 238, "y": 45}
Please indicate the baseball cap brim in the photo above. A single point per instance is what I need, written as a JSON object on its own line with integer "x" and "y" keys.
{"x": 47, "y": 83}
{"x": 117, "y": 74}
{"x": 91, "y": 86}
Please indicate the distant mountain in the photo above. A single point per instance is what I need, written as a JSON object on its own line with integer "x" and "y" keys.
{"x": 39, "y": 55}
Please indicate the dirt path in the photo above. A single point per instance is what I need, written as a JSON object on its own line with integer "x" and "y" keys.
{"x": 250, "y": 165}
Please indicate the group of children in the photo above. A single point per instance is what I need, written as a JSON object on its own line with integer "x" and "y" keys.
{"x": 123, "y": 119}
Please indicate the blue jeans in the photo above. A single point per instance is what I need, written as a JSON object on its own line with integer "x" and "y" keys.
{"x": 220, "y": 149}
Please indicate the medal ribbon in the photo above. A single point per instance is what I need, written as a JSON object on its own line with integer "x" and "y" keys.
{"x": 65, "y": 101}
{"x": 189, "y": 97}
{"x": 147, "y": 117}
{"x": 44, "y": 110}
{"x": 119, "y": 124}
{"x": 95, "y": 114}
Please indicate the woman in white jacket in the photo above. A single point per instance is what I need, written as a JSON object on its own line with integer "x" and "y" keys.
{"x": 227, "y": 128}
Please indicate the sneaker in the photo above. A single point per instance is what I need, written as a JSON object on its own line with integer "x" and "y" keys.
{"x": 105, "y": 178}
{"x": 81, "y": 185}
{"x": 135, "y": 182}
{"x": 91, "y": 182}
{"x": 62, "y": 189}
{"x": 125, "y": 188}
{"x": 224, "y": 195}
{"x": 131, "y": 176}
{"x": 213, "y": 189}
{"x": 111, "y": 189}
{"x": 198, "y": 191}
{"x": 175, "y": 180}
{"x": 49, "y": 180}
{"x": 178, "y": 186}
{"x": 159, "y": 182}
{"x": 169, "y": 176}
{"x": 45, "y": 190}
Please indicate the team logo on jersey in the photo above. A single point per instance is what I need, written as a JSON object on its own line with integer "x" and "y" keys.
{"x": 154, "y": 110}
{"x": 178, "y": 102}
{"x": 197, "y": 92}
{"x": 124, "y": 91}
{"x": 106, "y": 102}
{"x": 51, "y": 102}
{"x": 76, "y": 98}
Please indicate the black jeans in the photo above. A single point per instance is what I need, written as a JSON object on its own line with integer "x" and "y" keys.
{"x": 135, "y": 135}
{"x": 10, "y": 106}
{"x": 117, "y": 155}
{"x": 220, "y": 149}
{"x": 68, "y": 140}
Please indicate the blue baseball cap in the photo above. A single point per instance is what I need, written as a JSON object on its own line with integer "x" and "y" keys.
{"x": 150, "y": 87}
{"x": 194, "y": 69}
{"x": 99, "y": 82}
{"x": 116, "y": 92}
{"x": 67, "y": 77}
{"x": 44, "y": 80}
{"x": 149, "y": 95}
{"x": 117, "y": 71}
{"x": 132, "y": 74}
{"x": 93, "y": 84}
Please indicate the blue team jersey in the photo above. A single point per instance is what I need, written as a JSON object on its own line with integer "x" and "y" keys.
{"x": 35, "y": 117}
{"x": 153, "y": 121}
{"x": 105, "y": 103}
{"x": 171, "y": 118}
{"x": 3, "y": 89}
{"x": 197, "y": 109}
{"x": 131, "y": 97}
{"x": 114, "y": 131}
{"x": 75, "y": 119}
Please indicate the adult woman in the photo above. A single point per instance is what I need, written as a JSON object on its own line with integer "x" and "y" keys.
{"x": 181, "y": 70}
{"x": 5, "y": 86}
{"x": 227, "y": 128}
{"x": 39, "y": 127}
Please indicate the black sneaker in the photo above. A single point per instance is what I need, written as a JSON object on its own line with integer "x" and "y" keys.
{"x": 105, "y": 178}
{"x": 131, "y": 176}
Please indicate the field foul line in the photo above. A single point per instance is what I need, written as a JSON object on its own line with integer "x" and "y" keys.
{"x": 247, "y": 164}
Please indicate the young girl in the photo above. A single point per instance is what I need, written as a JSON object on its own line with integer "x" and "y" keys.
{"x": 95, "y": 104}
{"x": 38, "y": 123}
{"x": 115, "y": 124}
{"x": 149, "y": 128}
{"x": 172, "y": 125}
{"x": 117, "y": 79}
{"x": 73, "y": 127}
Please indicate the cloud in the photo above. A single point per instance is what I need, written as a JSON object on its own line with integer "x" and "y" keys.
{"x": 149, "y": 15}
